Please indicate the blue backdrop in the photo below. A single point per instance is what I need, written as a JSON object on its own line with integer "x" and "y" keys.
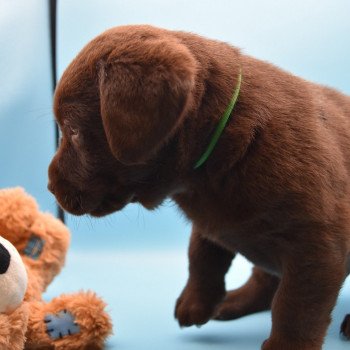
{"x": 308, "y": 37}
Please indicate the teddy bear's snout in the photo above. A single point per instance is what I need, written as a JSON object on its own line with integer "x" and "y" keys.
{"x": 13, "y": 277}
{"x": 5, "y": 259}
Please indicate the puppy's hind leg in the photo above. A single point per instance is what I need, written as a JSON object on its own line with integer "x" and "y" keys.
{"x": 254, "y": 296}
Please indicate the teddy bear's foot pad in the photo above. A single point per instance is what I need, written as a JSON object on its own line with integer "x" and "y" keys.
{"x": 61, "y": 325}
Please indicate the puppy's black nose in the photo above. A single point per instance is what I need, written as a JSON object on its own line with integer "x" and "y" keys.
{"x": 5, "y": 259}
{"x": 50, "y": 187}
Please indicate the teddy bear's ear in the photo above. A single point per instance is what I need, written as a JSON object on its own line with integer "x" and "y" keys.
{"x": 18, "y": 211}
{"x": 47, "y": 247}
{"x": 145, "y": 92}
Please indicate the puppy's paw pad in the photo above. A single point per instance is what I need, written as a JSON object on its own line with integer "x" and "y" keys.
{"x": 345, "y": 328}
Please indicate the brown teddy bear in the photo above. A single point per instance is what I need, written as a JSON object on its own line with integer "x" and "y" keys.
{"x": 76, "y": 321}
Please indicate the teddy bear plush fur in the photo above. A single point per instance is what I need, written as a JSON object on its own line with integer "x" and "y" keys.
{"x": 75, "y": 321}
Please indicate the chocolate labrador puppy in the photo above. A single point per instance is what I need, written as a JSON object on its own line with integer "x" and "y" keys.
{"x": 256, "y": 158}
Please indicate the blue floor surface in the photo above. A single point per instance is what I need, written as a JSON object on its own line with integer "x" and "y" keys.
{"x": 141, "y": 288}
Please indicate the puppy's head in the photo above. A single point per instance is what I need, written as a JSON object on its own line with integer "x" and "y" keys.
{"x": 118, "y": 104}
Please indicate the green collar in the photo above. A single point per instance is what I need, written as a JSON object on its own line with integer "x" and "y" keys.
{"x": 221, "y": 126}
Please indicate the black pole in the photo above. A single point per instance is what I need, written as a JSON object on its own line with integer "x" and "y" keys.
{"x": 53, "y": 26}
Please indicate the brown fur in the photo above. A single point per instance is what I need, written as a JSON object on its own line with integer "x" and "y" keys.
{"x": 25, "y": 328}
{"x": 137, "y": 108}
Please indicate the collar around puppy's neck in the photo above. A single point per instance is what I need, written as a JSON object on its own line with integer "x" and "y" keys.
{"x": 221, "y": 126}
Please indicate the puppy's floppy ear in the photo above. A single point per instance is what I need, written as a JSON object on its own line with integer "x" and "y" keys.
{"x": 145, "y": 92}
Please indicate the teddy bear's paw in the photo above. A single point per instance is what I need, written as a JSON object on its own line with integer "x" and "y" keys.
{"x": 69, "y": 322}
{"x": 61, "y": 325}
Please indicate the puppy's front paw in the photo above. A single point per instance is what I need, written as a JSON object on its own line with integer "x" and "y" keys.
{"x": 196, "y": 308}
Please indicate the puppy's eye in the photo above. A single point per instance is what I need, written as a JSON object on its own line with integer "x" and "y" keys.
{"x": 70, "y": 129}
{"x": 75, "y": 136}
{"x": 74, "y": 132}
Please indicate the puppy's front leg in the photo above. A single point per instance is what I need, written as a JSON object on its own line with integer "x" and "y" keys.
{"x": 205, "y": 289}
{"x": 304, "y": 301}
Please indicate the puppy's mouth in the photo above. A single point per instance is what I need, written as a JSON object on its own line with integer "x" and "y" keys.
{"x": 75, "y": 204}
{"x": 97, "y": 205}
{"x": 110, "y": 205}
{"x": 100, "y": 203}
